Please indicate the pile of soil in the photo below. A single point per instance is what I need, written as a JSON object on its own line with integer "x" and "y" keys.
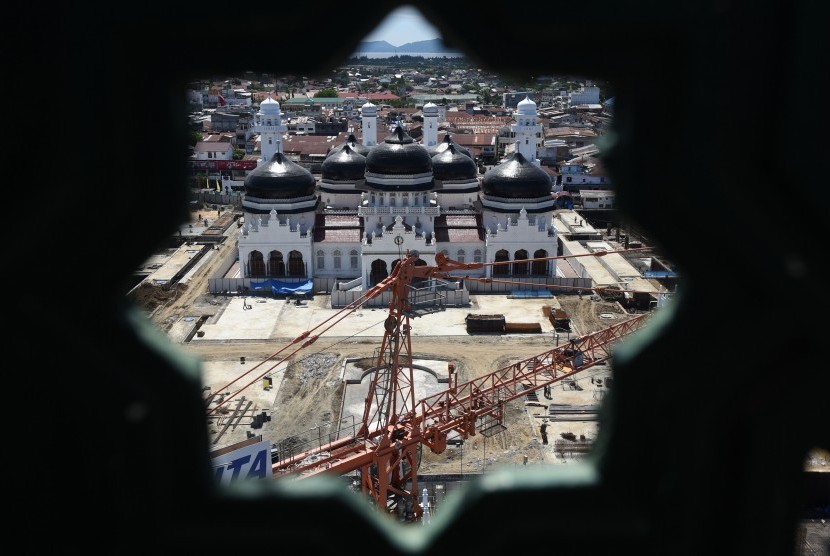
{"x": 149, "y": 296}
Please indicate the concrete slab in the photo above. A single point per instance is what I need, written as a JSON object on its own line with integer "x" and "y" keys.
{"x": 245, "y": 318}
{"x": 277, "y": 318}
{"x": 429, "y": 377}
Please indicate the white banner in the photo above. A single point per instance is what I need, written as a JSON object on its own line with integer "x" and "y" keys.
{"x": 248, "y": 462}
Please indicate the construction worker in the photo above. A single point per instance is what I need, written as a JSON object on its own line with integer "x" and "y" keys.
{"x": 543, "y": 429}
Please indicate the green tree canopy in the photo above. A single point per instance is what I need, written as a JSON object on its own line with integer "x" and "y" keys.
{"x": 195, "y": 137}
{"x": 326, "y": 93}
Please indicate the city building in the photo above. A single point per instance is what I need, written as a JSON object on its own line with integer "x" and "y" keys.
{"x": 586, "y": 95}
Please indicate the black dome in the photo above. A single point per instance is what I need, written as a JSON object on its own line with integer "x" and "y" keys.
{"x": 451, "y": 164}
{"x": 352, "y": 142}
{"x": 517, "y": 178}
{"x": 345, "y": 164}
{"x": 399, "y": 154}
{"x": 279, "y": 178}
{"x": 442, "y": 146}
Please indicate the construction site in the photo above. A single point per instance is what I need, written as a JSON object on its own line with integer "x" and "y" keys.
{"x": 406, "y": 403}
{"x": 436, "y": 396}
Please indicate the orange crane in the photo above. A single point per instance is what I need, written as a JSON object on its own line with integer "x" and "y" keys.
{"x": 395, "y": 424}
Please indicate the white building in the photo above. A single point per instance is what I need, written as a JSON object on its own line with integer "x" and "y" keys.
{"x": 597, "y": 199}
{"x": 577, "y": 176}
{"x": 213, "y": 150}
{"x": 377, "y": 201}
{"x": 586, "y": 95}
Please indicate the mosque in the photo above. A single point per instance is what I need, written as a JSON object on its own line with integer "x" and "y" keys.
{"x": 389, "y": 195}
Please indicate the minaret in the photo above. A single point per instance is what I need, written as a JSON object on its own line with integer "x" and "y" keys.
{"x": 268, "y": 122}
{"x": 370, "y": 124}
{"x": 526, "y": 129}
{"x": 430, "y": 125}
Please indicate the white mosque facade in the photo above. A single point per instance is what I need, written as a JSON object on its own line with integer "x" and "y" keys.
{"x": 386, "y": 196}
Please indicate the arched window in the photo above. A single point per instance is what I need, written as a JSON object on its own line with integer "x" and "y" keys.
{"x": 477, "y": 256}
{"x": 379, "y": 271}
{"x": 460, "y": 256}
{"x": 321, "y": 260}
{"x": 353, "y": 256}
{"x": 539, "y": 268}
{"x": 296, "y": 266}
{"x": 256, "y": 264}
{"x": 276, "y": 265}
{"x": 520, "y": 268}
{"x": 337, "y": 259}
{"x": 502, "y": 269}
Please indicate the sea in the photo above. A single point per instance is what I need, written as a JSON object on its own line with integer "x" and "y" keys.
{"x": 422, "y": 54}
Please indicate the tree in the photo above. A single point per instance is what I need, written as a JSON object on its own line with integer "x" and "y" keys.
{"x": 238, "y": 154}
{"x": 195, "y": 137}
{"x": 326, "y": 93}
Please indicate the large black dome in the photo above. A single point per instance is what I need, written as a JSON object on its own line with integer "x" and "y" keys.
{"x": 399, "y": 154}
{"x": 446, "y": 142}
{"x": 352, "y": 142}
{"x": 517, "y": 178}
{"x": 451, "y": 164}
{"x": 279, "y": 178}
{"x": 344, "y": 165}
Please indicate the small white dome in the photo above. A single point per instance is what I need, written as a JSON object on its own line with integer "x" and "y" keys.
{"x": 430, "y": 108}
{"x": 269, "y": 106}
{"x": 527, "y": 107}
{"x": 369, "y": 109}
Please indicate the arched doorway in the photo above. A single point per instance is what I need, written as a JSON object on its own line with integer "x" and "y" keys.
{"x": 419, "y": 262}
{"x": 501, "y": 256}
{"x": 296, "y": 266}
{"x": 539, "y": 268}
{"x": 276, "y": 265}
{"x": 256, "y": 264}
{"x": 520, "y": 268}
{"x": 378, "y": 272}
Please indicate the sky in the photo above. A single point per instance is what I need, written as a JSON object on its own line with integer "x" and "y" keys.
{"x": 403, "y": 25}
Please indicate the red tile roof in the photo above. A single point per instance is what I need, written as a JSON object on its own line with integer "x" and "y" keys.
{"x": 213, "y": 146}
{"x": 335, "y": 228}
{"x": 337, "y": 235}
{"x": 458, "y": 236}
{"x": 471, "y": 139}
{"x": 459, "y": 228}
{"x": 568, "y": 132}
{"x": 457, "y": 220}
{"x": 338, "y": 220}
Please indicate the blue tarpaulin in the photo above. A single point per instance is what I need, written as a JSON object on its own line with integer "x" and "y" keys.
{"x": 280, "y": 287}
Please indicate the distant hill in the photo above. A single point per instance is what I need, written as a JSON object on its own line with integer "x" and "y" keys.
{"x": 430, "y": 46}
{"x": 375, "y": 46}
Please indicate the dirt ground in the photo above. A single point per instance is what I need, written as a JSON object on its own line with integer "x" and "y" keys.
{"x": 311, "y": 391}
